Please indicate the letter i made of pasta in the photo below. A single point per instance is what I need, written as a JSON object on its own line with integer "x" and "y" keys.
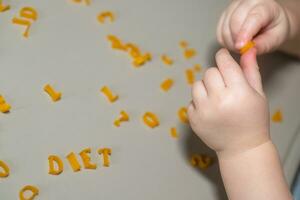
{"x": 55, "y": 96}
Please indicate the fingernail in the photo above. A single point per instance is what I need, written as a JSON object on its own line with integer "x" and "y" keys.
{"x": 240, "y": 44}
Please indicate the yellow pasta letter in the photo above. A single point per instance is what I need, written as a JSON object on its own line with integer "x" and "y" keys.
{"x": 60, "y": 166}
{"x": 86, "y": 159}
{"x": 74, "y": 162}
{"x": 106, "y": 152}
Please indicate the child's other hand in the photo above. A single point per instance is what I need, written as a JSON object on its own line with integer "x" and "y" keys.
{"x": 229, "y": 111}
{"x": 264, "y": 21}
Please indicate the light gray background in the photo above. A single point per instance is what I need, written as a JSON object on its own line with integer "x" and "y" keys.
{"x": 68, "y": 49}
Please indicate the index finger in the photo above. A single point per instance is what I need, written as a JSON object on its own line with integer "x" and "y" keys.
{"x": 229, "y": 68}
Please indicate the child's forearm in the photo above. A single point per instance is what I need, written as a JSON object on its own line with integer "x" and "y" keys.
{"x": 292, "y": 45}
{"x": 255, "y": 174}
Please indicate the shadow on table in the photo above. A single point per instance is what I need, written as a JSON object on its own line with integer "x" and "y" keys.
{"x": 191, "y": 144}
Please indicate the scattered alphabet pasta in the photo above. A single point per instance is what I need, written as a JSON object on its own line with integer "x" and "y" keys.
{"x": 60, "y": 165}
{"x": 56, "y": 164}
{"x": 201, "y": 161}
{"x": 138, "y": 58}
{"x": 3, "y": 7}
{"x": 82, "y": 161}
{"x": 183, "y": 44}
{"x": 173, "y": 132}
{"x": 34, "y": 191}
{"x": 167, "y": 60}
{"x": 105, "y": 152}
{"x": 182, "y": 114}
{"x": 167, "y": 84}
{"x": 4, "y": 107}
{"x": 150, "y": 119}
{"x": 4, "y": 169}
{"x": 197, "y": 68}
{"x": 106, "y": 15}
{"x": 55, "y": 96}
{"x": 28, "y": 15}
{"x": 109, "y": 94}
{"x": 86, "y": 159}
{"x": 190, "y": 76}
{"x": 188, "y": 53}
{"x": 124, "y": 117}
{"x": 87, "y": 2}
{"x": 277, "y": 116}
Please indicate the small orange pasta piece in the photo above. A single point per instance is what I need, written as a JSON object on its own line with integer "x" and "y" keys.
{"x": 116, "y": 43}
{"x": 106, "y": 152}
{"x": 5, "y": 169}
{"x": 197, "y": 68}
{"x": 166, "y": 84}
{"x": 141, "y": 60}
{"x": 247, "y": 47}
{"x": 87, "y": 2}
{"x": 86, "y": 159}
{"x": 182, "y": 114}
{"x": 134, "y": 51}
{"x": 29, "y": 188}
{"x": 151, "y": 120}
{"x": 3, "y": 8}
{"x": 2, "y": 99}
{"x": 124, "y": 117}
{"x": 190, "y": 76}
{"x": 74, "y": 162}
{"x": 277, "y": 117}
{"x": 23, "y": 22}
{"x": 55, "y": 96}
{"x": 104, "y": 15}
{"x": 167, "y": 60}
{"x": 4, "y": 107}
{"x": 109, "y": 94}
{"x": 183, "y": 44}
{"x": 189, "y": 53}
{"x": 201, "y": 161}
{"x": 60, "y": 165}
{"x": 173, "y": 132}
{"x": 29, "y": 13}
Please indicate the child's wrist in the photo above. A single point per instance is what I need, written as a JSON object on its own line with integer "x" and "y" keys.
{"x": 238, "y": 151}
{"x": 238, "y": 157}
{"x": 258, "y": 170}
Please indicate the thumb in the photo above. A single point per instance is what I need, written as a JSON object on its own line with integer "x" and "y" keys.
{"x": 251, "y": 70}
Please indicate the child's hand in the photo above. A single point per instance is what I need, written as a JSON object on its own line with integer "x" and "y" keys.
{"x": 229, "y": 111}
{"x": 265, "y": 22}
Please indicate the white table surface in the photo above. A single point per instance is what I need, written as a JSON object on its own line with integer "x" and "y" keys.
{"x": 68, "y": 49}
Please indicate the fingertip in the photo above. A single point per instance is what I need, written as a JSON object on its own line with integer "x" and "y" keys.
{"x": 250, "y": 54}
{"x": 198, "y": 91}
{"x": 249, "y": 58}
{"x": 241, "y": 41}
{"x": 221, "y": 52}
{"x": 239, "y": 44}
